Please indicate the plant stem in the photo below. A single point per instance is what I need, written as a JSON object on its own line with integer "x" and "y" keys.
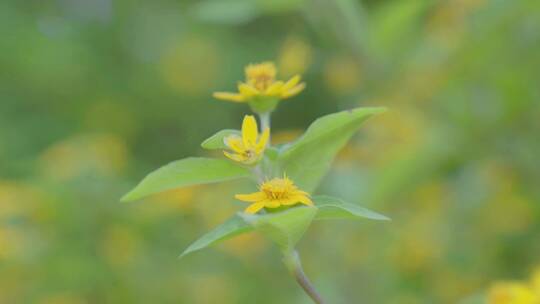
{"x": 258, "y": 173}
{"x": 293, "y": 263}
{"x": 265, "y": 122}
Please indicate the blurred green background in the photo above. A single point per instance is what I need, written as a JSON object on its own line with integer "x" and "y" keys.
{"x": 96, "y": 94}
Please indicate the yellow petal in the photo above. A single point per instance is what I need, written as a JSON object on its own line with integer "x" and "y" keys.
{"x": 266, "y": 68}
{"x": 252, "y": 197}
{"x": 253, "y": 208}
{"x": 234, "y": 97}
{"x": 535, "y": 280}
{"x": 249, "y": 131}
{"x": 290, "y": 93}
{"x": 234, "y": 142}
{"x": 288, "y": 201}
{"x": 292, "y": 200}
{"x": 291, "y": 83}
{"x": 274, "y": 89}
{"x": 272, "y": 204}
{"x": 511, "y": 292}
{"x": 305, "y": 200}
{"x": 235, "y": 157}
{"x": 261, "y": 145}
{"x": 300, "y": 192}
{"x": 246, "y": 90}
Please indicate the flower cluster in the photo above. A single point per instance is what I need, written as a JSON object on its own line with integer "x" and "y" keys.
{"x": 248, "y": 147}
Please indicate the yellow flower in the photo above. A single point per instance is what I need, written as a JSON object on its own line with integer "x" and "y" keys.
{"x": 273, "y": 194}
{"x": 261, "y": 85}
{"x": 511, "y": 293}
{"x": 249, "y": 148}
{"x": 535, "y": 281}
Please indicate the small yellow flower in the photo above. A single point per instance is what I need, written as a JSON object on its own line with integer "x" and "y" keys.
{"x": 273, "y": 194}
{"x": 261, "y": 85}
{"x": 511, "y": 293}
{"x": 249, "y": 148}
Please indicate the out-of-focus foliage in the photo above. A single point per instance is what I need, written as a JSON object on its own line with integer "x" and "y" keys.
{"x": 95, "y": 94}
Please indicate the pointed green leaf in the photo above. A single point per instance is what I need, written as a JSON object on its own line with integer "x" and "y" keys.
{"x": 186, "y": 172}
{"x": 308, "y": 159}
{"x": 285, "y": 228}
{"x": 215, "y": 141}
{"x": 231, "y": 228}
{"x": 335, "y": 208}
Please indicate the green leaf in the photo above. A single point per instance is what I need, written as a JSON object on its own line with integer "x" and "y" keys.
{"x": 186, "y": 172}
{"x": 335, "y": 208}
{"x": 272, "y": 153}
{"x": 216, "y": 141}
{"x": 308, "y": 159}
{"x": 231, "y": 228}
{"x": 284, "y": 228}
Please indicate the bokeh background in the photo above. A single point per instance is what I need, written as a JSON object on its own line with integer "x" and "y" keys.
{"x": 96, "y": 94}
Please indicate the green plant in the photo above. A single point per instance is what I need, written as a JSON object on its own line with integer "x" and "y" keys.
{"x": 282, "y": 209}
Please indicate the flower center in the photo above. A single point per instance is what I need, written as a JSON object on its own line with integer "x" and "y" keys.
{"x": 261, "y": 76}
{"x": 262, "y": 82}
{"x": 249, "y": 153}
{"x": 277, "y": 189}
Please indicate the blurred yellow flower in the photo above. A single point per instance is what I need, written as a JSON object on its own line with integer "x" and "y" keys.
{"x": 102, "y": 154}
{"x": 247, "y": 246}
{"x": 512, "y": 293}
{"x": 190, "y": 65}
{"x": 261, "y": 85}
{"x": 294, "y": 56}
{"x": 342, "y": 74}
{"x": 224, "y": 289}
{"x": 535, "y": 281}
{"x": 119, "y": 245}
{"x": 249, "y": 148}
{"x": 179, "y": 199}
{"x": 275, "y": 193}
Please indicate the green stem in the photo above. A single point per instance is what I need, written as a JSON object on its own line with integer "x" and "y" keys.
{"x": 293, "y": 263}
{"x": 263, "y": 166}
{"x": 265, "y": 121}
{"x": 258, "y": 171}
